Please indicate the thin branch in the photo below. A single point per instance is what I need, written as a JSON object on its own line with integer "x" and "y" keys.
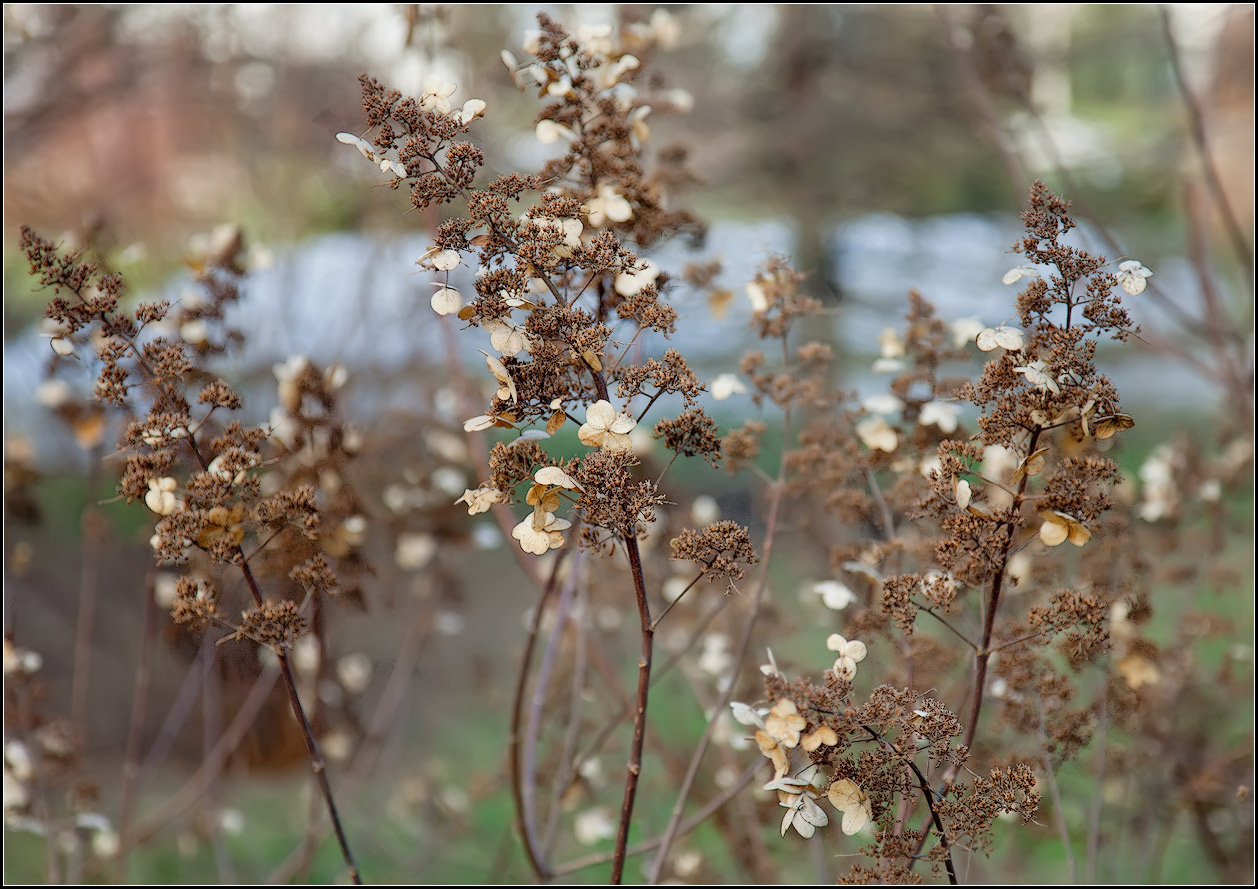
{"x": 541, "y": 688}
{"x": 744, "y": 644}
{"x": 1012, "y": 642}
{"x": 888, "y": 520}
{"x": 928, "y": 795}
{"x": 317, "y": 764}
{"x": 1054, "y": 790}
{"x": 213, "y": 763}
{"x": 89, "y": 572}
{"x": 669, "y": 606}
{"x": 657, "y": 673}
{"x": 955, "y": 631}
{"x": 701, "y": 815}
{"x": 567, "y": 767}
{"x": 135, "y": 732}
{"x": 1100, "y": 739}
{"x": 523, "y": 814}
{"x": 634, "y": 770}
{"x": 1197, "y": 128}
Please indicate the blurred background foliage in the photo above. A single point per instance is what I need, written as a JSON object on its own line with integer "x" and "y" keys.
{"x": 133, "y": 128}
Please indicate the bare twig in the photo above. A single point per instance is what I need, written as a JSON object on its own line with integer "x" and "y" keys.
{"x": 776, "y": 493}
{"x": 524, "y": 812}
{"x": 1197, "y": 128}
{"x": 634, "y": 770}
{"x": 701, "y": 815}
{"x": 93, "y": 529}
{"x": 213, "y": 763}
{"x": 135, "y": 733}
{"x": 1054, "y": 790}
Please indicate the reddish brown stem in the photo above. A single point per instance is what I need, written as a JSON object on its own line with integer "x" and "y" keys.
{"x": 139, "y": 708}
{"x": 317, "y": 764}
{"x": 639, "y": 718}
{"x": 523, "y": 814}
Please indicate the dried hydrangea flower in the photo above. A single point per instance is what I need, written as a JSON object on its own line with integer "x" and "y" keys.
{"x": 480, "y": 499}
{"x": 1059, "y": 527}
{"x": 540, "y": 532}
{"x": 1132, "y": 276}
{"x": 553, "y": 475}
{"x": 1014, "y": 275}
{"x": 963, "y": 492}
{"x": 784, "y": 723}
{"x": 835, "y": 594}
{"x": 877, "y": 434}
{"x": 799, "y": 799}
{"x": 823, "y": 736}
{"x": 726, "y": 385}
{"x": 850, "y": 654}
{"x": 846, "y": 796}
{"x": 1037, "y": 375}
{"x": 941, "y": 414}
{"x": 605, "y": 428}
{"x": 1007, "y": 338}
{"x": 161, "y": 496}
{"x": 608, "y": 205}
{"x": 631, "y": 282}
{"x": 446, "y": 301}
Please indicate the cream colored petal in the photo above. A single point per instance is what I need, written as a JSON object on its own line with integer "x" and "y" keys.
{"x": 963, "y": 493}
{"x": 623, "y": 424}
{"x": 591, "y": 435}
{"x": 844, "y": 794}
{"x": 553, "y": 475}
{"x": 617, "y": 441}
{"x": 854, "y": 819}
{"x": 600, "y": 414}
{"x": 1079, "y": 535}
{"x": 1054, "y": 531}
{"x": 787, "y": 819}
{"x": 446, "y": 301}
{"x": 1008, "y": 338}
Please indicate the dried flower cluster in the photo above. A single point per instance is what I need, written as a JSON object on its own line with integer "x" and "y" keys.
{"x": 219, "y": 515}
{"x": 984, "y": 610}
{"x": 956, "y": 521}
{"x": 564, "y": 297}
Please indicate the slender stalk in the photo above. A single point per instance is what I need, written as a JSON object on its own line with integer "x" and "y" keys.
{"x": 744, "y": 645}
{"x": 211, "y": 765}
{"x": 418, "y": 629}
{"x": 135, "y": 732}
{"x": 93, "y": 530}
{"x": 567, "y": 767}
{"x": 176, "y": 716}
{"x": 1197, "y": 128}
{"x": 1054, "y": 790}
{"x": 537, "y": 704}
{"x": 211, "y": 731}
{"x": 639, "y": 718}
{"x": 523, "y": 813}
{"x": 928, "y": 795}
{"x": 317, "y": 764}
{"x": 657, "y": 673}
{"x": 699, "y": 817}
{"x": 983, "y": 653}
{"x": 1098, "y": 779}
{"x": 669, "y": 606}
